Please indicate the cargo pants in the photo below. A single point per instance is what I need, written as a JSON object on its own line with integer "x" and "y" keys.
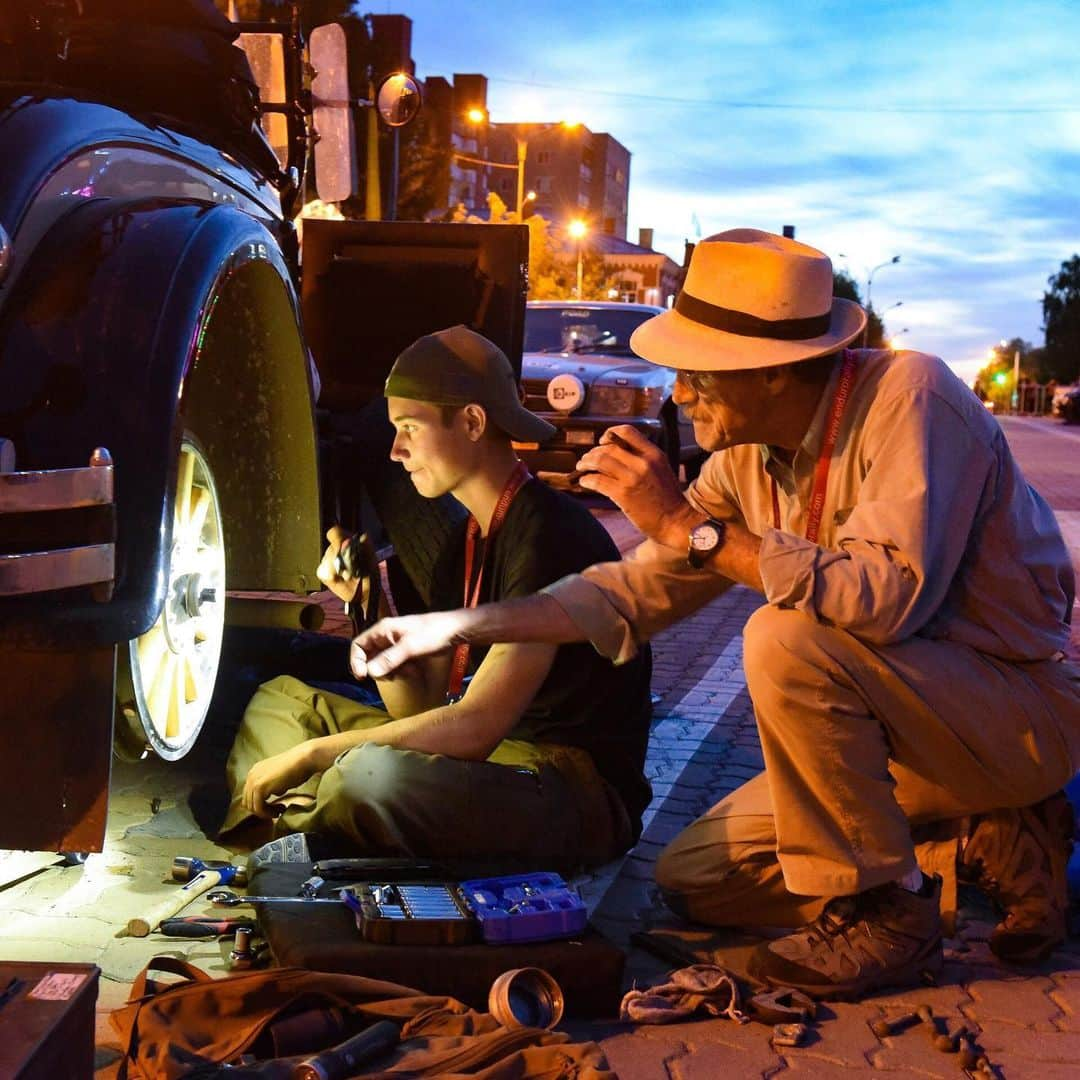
{"x": 533, "y": 802}
{"x": 874, "y": 756}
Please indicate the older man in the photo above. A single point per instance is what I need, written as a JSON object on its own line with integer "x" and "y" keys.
{"x": 907, "y": 669}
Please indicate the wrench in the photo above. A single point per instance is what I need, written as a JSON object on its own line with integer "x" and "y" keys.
{"x": 227, "y": 898}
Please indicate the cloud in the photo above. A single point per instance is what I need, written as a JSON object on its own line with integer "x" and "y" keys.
{"x": 946, "y": 131}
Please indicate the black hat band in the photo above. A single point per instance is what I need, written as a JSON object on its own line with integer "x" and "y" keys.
{"x": 739, "y": 322}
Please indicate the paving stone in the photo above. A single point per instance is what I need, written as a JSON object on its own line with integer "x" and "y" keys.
{"x": 635, "y": 1058}
{"x": 1015, "y": 1066}
{"x": 1014, "y": 1000}
{"x": 914, "y": 1054}
{"x": 1062, "y": 1046}
{"x": 944, "y": 1000}
{"x": 708, "y": 1062}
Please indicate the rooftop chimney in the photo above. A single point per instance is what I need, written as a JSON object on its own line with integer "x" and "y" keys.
{"x": 645, "y": 237}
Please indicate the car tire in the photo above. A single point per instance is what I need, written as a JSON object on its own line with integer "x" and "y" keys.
{"x": 166, "y": 676}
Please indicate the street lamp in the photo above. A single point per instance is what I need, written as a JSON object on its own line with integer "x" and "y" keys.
{"x": 479, "y": 116}
{"x": 577, "y": 229}
{"x": 869, "y": 283}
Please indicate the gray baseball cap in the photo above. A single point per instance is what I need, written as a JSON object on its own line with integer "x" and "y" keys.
{"x": 458, "y": 366}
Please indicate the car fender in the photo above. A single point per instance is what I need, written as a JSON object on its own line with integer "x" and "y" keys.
{"x": 132, "y": 321}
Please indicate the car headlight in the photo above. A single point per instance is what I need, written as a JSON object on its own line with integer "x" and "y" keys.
{"x": 612, "y": 400}
{"x": 626, "y": 400}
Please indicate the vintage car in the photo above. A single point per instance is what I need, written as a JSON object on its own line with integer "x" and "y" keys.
{"x": 580, "y": 374}
{"x": 160, "y": 445}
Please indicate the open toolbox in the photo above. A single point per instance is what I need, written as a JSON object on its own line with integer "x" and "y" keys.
{"x": 497, "y": 910}
{"x": 525, "y": 907}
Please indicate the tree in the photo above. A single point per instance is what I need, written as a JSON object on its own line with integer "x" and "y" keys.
{"x": 1061, "y": 322}
{"x": 424, "y": 159}
{"x": 552, "y": 259}
{"x": 845, "y": 287}
{"x": 995, "y": 381}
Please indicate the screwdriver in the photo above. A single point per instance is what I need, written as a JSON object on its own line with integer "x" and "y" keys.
{"x": 204, "y": 926}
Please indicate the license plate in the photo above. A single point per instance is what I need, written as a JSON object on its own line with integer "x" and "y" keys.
{"x": 577, "y": 437}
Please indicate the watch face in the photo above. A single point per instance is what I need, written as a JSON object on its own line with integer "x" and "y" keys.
{"x": 704, "y": 537}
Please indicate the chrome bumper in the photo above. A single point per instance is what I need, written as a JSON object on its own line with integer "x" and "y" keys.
{"x": 62, "y": 567}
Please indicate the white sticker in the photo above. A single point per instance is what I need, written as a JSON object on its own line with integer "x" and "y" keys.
{"x": 58, "y": 985}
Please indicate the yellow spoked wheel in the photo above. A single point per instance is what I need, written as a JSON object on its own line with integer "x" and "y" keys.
{"x": 173, "y": 666}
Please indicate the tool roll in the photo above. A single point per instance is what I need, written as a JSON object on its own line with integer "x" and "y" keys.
{"x": 327, "y": 937}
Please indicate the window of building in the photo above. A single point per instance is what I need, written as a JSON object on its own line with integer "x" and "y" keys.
{"x": 583, "y": 198}
{"x": 543, "y": 185}
{"x": 543, "y": 157}
{"x": 619, "y": 176}
{"x": 609, "y": 225}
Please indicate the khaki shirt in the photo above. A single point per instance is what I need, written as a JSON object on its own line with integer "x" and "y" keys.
{"x": 928, "y": 528}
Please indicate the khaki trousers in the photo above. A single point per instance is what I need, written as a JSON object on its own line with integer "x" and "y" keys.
{"x": 527, "y": 801}
{"x": 873, "y": 756}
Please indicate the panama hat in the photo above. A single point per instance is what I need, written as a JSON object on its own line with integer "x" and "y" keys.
{"x": 751, "y": 300}
{"x": 458, "y": 366}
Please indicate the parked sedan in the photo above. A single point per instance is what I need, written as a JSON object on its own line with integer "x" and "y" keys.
{"x": 580, "y": 374}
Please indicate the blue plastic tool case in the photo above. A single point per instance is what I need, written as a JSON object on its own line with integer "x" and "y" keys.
{"x": 525, "y": 907}
{"x": 498, "y": 910}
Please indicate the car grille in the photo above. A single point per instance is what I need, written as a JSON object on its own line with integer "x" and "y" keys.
{"x": 536, "y": 395}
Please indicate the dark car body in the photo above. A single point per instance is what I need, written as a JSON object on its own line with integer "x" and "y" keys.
{"x": 151, "y": 301}
{"x": 580, "y": 374}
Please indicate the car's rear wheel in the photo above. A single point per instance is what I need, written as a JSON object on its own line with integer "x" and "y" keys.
{"x": 166, "y": 676}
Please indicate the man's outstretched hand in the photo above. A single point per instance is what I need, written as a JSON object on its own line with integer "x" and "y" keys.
{"x": 636, "y": 476}
{"x": 393, "y": 642}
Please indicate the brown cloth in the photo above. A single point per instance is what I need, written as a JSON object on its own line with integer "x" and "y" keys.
{"x": 167, "y": 1031}
{"x": 702, "y": 988}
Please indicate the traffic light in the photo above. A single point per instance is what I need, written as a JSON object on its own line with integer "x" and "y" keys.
{"x": 1001, "y": 378}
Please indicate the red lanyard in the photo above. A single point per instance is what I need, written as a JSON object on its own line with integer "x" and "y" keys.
{"x": 821, "y": 470}
{"x": 461, "y": 653}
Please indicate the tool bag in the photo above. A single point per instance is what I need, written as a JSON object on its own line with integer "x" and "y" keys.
{"x": 180, "y": 1028}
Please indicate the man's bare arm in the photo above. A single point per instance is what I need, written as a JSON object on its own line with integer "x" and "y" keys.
{"x": 392, "y": 642}
{"x": 635, "y": 475}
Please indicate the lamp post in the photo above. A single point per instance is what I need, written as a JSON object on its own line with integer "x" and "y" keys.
{"x": 869, "y": 284}
{"x": 479, "y": 116}
{"x": 577, "y": 229}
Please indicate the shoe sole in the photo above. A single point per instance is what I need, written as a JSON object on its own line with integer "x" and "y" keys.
{"x": 922, "y": 969}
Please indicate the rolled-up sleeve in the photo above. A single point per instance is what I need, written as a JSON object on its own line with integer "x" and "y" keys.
{"x": 891, "y": 563}
{"x": 619, "y": 606}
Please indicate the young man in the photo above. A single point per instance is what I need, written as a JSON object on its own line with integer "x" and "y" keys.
{"x": 539, "y": 755}
{"x": 907, "y": 668}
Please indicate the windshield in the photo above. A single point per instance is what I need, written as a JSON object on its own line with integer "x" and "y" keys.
{"x": 578, "y": 329}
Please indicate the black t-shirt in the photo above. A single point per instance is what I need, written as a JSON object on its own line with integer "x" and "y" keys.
{"x": 585, "y": 701}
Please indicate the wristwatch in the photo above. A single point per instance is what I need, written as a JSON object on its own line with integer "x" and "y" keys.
{"x": 704, "y": 541}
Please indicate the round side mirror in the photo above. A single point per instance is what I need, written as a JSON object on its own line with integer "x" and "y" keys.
{"x": 398, "y": 99}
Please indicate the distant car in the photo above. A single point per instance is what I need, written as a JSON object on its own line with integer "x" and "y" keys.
{"x": 579, "y": 373}
{"x": 1065, "y": 404}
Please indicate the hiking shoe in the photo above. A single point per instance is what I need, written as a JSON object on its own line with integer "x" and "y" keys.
{"x": 285, "y": 849}
{"x": 885, "y": 936}
{"x": 1018, "y": 858}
